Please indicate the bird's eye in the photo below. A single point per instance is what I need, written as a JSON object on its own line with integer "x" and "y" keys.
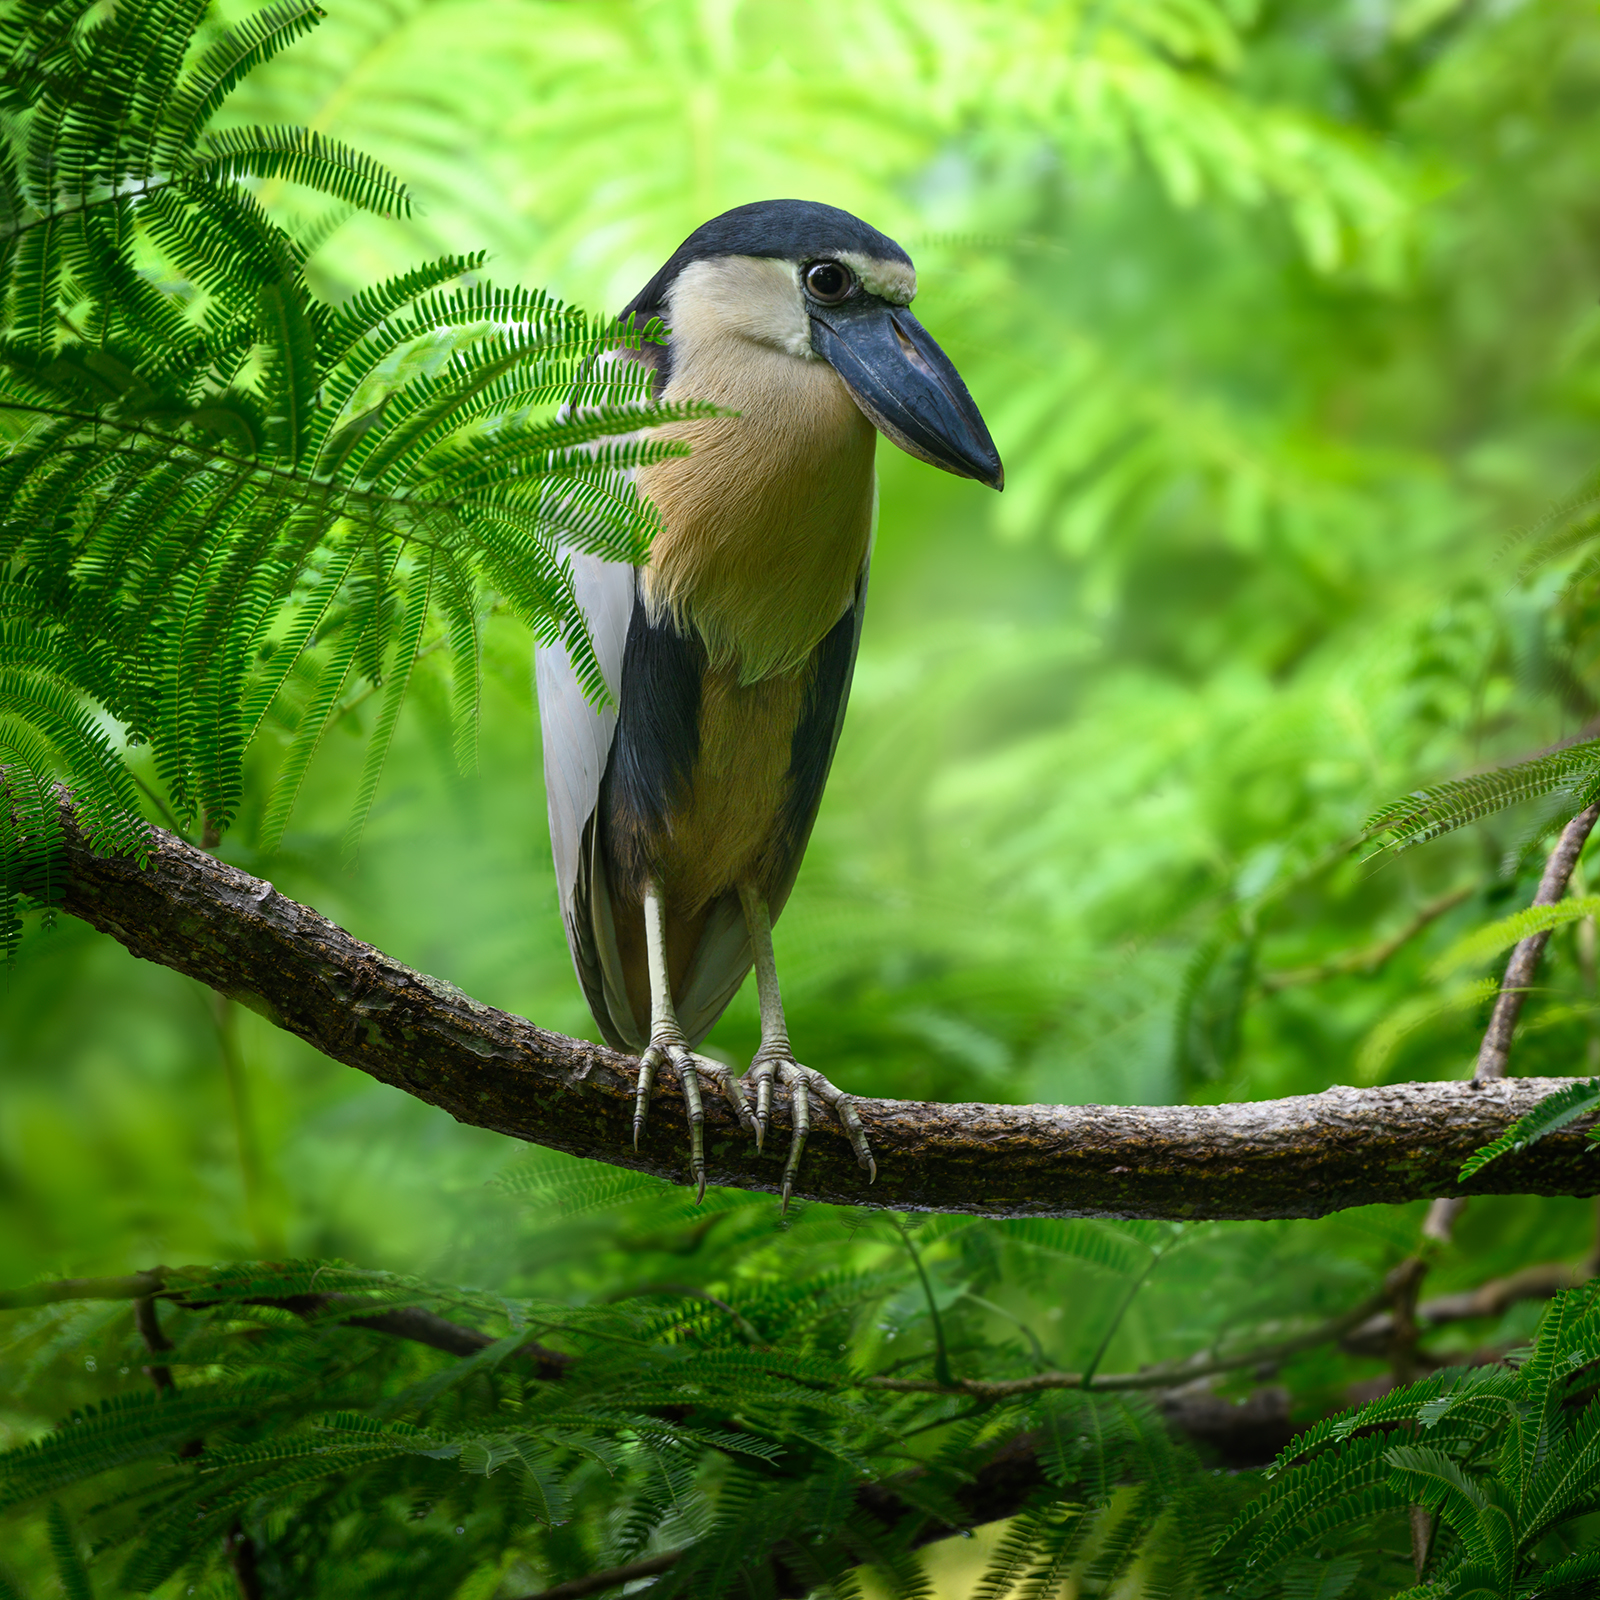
{"x": 828, "y": 282}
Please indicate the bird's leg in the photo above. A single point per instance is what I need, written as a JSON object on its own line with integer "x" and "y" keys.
{"x": 775, "y": 1058}
{"x": 667, "y": 1043}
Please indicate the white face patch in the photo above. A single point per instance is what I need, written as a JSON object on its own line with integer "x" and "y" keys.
{"x": 740, "y": 297}
{"x": 760, "y": 299}
{"x": 894, "y": 281}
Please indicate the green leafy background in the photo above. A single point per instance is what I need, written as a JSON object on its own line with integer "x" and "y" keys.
{"x": 1284, "y": 318}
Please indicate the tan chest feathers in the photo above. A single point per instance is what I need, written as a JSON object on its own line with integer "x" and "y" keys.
{"x": 729, "y": 827}
{"x": 766, "y": 524}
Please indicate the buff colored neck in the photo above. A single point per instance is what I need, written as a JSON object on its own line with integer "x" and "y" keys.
{"x": 766, "y": 524}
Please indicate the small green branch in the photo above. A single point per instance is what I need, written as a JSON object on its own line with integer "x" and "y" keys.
{"x": 1370, "y": 957}
{"x": 1116, "y": 1321}
{"x": 1168, "y": 1375}
{"x": 941, "y": 1355}
{"x": 160, "y": 805}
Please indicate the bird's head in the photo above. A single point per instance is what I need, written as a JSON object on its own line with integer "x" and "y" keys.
{"x": 818, "y": 284}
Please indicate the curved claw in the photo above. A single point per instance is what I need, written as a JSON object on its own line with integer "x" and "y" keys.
{"x": 803, "y": 1082}
{"x": 689, "y": 1080}
{"x": 691, "y": 1070}
{"x": 732, "y": 1090}
{"x": 851, "y": 1123}
{"x": 802, "y": 1126}
{"x": 761, "y": 1071}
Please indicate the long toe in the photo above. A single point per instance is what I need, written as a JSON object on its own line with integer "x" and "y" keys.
{"x": 648, "y": 1063}
{"x": 729, "y": 1082}
{"x": 843, "y": 1107}
{"x": 689, "y": 1079}
{"x": 795, "y": 1077}
{"x": 841, "y": 1104}
{"x": 760, "y": 1075}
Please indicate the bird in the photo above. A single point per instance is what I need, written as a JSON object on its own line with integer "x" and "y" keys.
{"x": 679, "y": 812}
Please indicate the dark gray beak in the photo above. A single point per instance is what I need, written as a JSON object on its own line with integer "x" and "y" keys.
{"x": 905, "y": 383}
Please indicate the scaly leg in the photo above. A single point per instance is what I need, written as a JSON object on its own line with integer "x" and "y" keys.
{"x": 668, "y": 1044}
{"x": 775, "y": 1058}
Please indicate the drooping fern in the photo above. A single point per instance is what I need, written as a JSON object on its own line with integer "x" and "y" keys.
{"x": 1504, "y": 1457}
{"x": 218, "y": 489}
{"x": 1424, "y": 814}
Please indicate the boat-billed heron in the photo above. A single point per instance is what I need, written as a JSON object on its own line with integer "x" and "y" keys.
{"x": 679, "y": 816}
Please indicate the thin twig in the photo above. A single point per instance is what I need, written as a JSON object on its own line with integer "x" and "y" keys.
{"x": 941, "y": 1354}
{"x": 1495, "y": 1051}
{"x": 148, "y": 1322}
{"x": 160, "y": 805}
{"x": 611, "y": 1578}
{"x": 1489, "y": 1299}
{"x": 1402, "y": 1332}
{"x": 1166, "y": 1376}
{"x": 1370, "y": 957}
{"x": 156, "y": 1342}
{"x": 1116, "y": 1321}
{"x": 399, "y": 1322}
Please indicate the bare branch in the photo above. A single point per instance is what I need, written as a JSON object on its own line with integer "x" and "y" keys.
{"x": 1487, "y": 1300}
{"x": 1299, "y": 1157}
{"x": 1171, "y": 1375}
{"x": 1369, "y": 958}
{"x": 611, "y": 1578}
{"x": 136, "y": 1286}
{"x": 1524, "y": 963}
{"x": 399, "y": 1322}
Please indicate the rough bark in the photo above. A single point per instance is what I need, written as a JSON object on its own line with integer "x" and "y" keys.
{"x": 1299, "y": 1157}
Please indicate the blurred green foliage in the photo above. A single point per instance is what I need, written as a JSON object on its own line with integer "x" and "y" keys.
{"x": 1284, "y": 319}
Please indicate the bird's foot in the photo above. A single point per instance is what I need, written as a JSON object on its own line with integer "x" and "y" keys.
{"x": 692, "y": 1070}
{"x": 802, "y": 1083}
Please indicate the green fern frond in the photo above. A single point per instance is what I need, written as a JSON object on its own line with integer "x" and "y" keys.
{"x": 125, "y": 1429}
{"x": 1398, "y": 1405}
{"x": 368, "y": 309}
{"x": 1554, "y": 1111}
{"x": 1566, "y": 1482}
{"x": 331, "y": 678}
{"x": 301, "y": 155}
{"x": 1485, "y": 942}
{"x": 286, "y": 330}
{"x": 407, "y": 644}
{"x": 71, "y": 1572}
{"x": 1575, "y": 1575}
{"x": 1428, "y": 1477}
{"x": 224, "y": 65}
{"x": 1426, "y": 813}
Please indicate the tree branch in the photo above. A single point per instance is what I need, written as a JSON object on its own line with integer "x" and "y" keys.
{"x": 1495, "y": 1050}
{"x": 611, "y": 1578}
{"x": 416, "y": 1323}
{"x": 1299, "y": 1157}
{"x": 1370, "y": 957}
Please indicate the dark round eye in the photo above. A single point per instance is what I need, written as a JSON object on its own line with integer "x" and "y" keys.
{"x": 828, "y": 282}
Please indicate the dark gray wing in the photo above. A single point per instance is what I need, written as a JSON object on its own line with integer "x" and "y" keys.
{"x": 722, "y": 959}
